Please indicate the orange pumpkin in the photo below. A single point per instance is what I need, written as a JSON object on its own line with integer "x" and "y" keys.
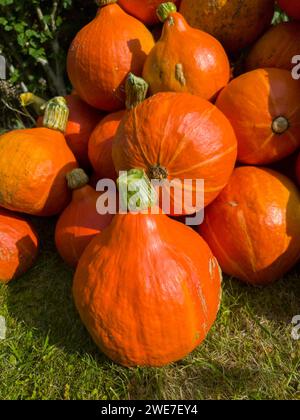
{"x": 253, "y": 227}
{"x": 143, "y": 10}
{"x": 276, "y": 48}
{"x": 291, "y": 7}
{"x": 263, "y": 108}
{"x": 234, "y": 23}
{"x": 104, "y": 52}
{"x": 200, "y": 67}
{"x": 34, "y": 163}
{"x": 18, "y": 246}
{"x": 167, "y": 284}
{"x": 178, "y": 137}
{"x": 80, "y": 222}
{"x": 81, "y": 123}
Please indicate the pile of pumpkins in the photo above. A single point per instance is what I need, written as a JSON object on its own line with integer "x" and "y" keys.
{"x": 148, "y": 287}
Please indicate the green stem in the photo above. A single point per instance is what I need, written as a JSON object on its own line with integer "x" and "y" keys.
{"x": 136, "y": 90}
{"x": 165, "y": 10}
{"x": 56, "y": 114}
{"x": 77, "y": 179}
{"x": 136, "y": 191}
{"x": 38, "y": 103}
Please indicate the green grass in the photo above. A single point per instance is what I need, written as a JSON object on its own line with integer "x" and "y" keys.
{"x": 249, "y": 353}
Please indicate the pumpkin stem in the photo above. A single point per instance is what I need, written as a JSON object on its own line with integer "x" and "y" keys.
{"x": 136, "y": 191}
{"x": 77, "y": 179}
{"x": 158, "y": 172}
{"x": 280, "y": 125}
{"x": 56, "y": 114}
{"x": 38, "y": 103}
{"x": 136, "y": 90}
{"x": 164, "y": 10}
{"x": 103, "y": 3}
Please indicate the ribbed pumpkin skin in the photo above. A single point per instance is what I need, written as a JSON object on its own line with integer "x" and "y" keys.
{"x": 144, "y": 10}
{"x": 186, "y": 60}
{"x": 291, "y": 7}
{"x": 182, "y": 133}
{"x": 235, "y": 23}
{"x": 166, "y": 283}
{"x": 82, "y": 121}
{"x": 100, "y": 145}
{"x": 79, "y": 224}
{"x": 18, "y": 246}
{"x": 276, "y": 48}
{"x": 33, "y": 166}
{"x": 251, "y": 103}
{"x": 253, "y": 227}
{"x": 97, "y": 69}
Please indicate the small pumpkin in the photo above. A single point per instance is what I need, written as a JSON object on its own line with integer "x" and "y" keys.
{"x": 185, "y": 59}
{"x": 253, "y": 227}
{"x": 276, "y": 48}
{"x": 234, "y": 23}
{"x": 145, "y": 10}
{"x": 178, "y": 137}
{"x": 80, "y": 222}
{"x": 165, "y": 280}
{"x": 18, "y": 246}
{"x": 98, "y": 70}
{"x": 291, "y": 7}
{"x": 81, "y": 123}
{"x": 34, "y": 163}
{"x": 263, "y": 108}
{"x": 101, "y": 140}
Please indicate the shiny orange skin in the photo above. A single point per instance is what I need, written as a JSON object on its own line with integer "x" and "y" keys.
{"x": 82, "y": 121}
{"x": 183, "y": 133}
{"x": 253, "y": 227}
{"x": 291, "y": 7}
{"x": 203, "y": 63}
{"x": 100, "y": 145}
{"x": 144, "y": 10}
{"x": 18, "y": 246}
{"x": 79, "y": 224}
{"x": 147, "y": 289}
{"x": 235, "y": 23}
{"x": 33, "y": 166}
{"x": 103, "y": 53}
{"x": 276, "y": 48}
{"x": 251, "y": 102}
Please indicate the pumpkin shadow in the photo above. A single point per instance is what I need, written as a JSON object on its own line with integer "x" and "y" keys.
{"x": 42, "y": 299}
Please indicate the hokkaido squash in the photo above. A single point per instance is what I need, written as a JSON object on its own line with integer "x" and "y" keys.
{"x": 81, "y": 123}
{"x": 178, "y": 137}
{"x": 253, "y": 227}
{"x": 143, "y": 10}
{"x": 165, "y": 280}
{"x": 291, "y": 7}
{"x": 235, "y": 23}
{"x": 185, "y": 59}
{"x": 34, "y": 163}
{"x": 263, "y": 108}
{"x": 276, "y": 48}
{"x": 80, "y": 222}
{"x": 101, "y": 140}
{"x": 18, "y": 246}
{"x": 104, "y": 52}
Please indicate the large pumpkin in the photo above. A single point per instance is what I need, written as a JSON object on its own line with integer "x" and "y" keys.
{"x": 104, "y": 52}
{"x": 147, "y": 289}
{"x": 253, "y": 227}
{"x": 276, "y": 48}
{"x": 80, "y": 222}
{"x": 291, "y": 7}
{"x": 18, "y": 246}
{"x": 185, "y": 59}
{"x": 235, "y": 23}
{"x": 33, "y": 166}
{"x": 178, "y": 137}
{"x": 144, "y": 10}
{"x": 263, "y": 108}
